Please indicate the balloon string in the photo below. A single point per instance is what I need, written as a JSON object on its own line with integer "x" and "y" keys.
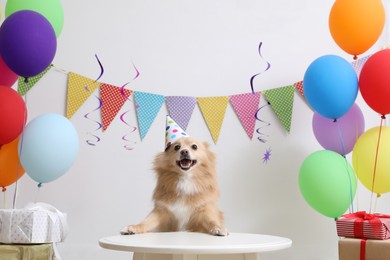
{"x": 37, "y": 193}
{"x": 383, "y": 117}
{"x": 257, "y": 74}
{"x": 4, "y": 198}
{"x": 340, "y": 137}
{"x": 122, "y": 116}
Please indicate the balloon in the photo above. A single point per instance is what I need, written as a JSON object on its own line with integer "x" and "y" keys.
{"x": 363, "y": 159}
{"x": 10, "y": 168}
{"x": 7, "y": 76}
{"x": 356, "y": 25}
{"x": 339, "y": 136}
{"x": 374, "y": 82}
{"x": 27, "y": 43}
{"x": 50, "y": 146}
{"x": 13, "y": 114}
{"x": 330, "y": 86}
{"x": 51, "y": 9}
{"x": 327, "y": 182}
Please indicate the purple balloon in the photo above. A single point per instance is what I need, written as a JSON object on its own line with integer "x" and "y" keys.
{"x": 28, "y": 43}
{"x": 339, "y": 136}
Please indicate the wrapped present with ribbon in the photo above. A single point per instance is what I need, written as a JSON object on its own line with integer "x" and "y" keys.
{"x": 363, "y": 249}
{"x": 363, "y": 225}
{"x": 35, "y": 223}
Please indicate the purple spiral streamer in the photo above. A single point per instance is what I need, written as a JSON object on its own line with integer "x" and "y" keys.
{"x": 99, "y": 125}
{"x": 126, "y": 137}
{"x": 257, "y": 74}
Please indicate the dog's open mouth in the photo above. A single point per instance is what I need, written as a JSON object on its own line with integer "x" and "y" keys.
{"x": 186, "y": 164}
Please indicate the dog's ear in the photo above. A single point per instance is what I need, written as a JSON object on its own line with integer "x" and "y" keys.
{"x": 167, "y": 148}
{"x": 206, "y": 144}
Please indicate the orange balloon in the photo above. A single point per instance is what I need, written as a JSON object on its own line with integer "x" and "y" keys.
{"x": 10, "y": 167}
{"x": 356, "y": 25}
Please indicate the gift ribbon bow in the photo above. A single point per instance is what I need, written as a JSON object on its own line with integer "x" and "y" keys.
{"x": 360, "y": 217}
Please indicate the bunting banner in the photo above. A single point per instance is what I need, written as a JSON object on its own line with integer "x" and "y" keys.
{"x": 24, "y": 87}
{"x": 147, "y": 107}
{"x": 112, "y": 102}
{"x": 213, "y": 110}
{"x": 246, "y": 106}
{"x": 77, "y": 94}
{"x": 180, "y": 109}
{"x": 282, "y": 100}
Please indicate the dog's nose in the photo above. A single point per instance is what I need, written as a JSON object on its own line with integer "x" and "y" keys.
{"x": 184, "y": 152}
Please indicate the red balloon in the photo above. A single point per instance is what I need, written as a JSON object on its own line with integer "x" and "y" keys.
{"x": 7, "y": 76}
{"x": 13, "y": 114}
{"x": 374, "y": 82}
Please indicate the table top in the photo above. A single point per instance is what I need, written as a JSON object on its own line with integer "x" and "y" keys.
{"x": 194, "y": 243}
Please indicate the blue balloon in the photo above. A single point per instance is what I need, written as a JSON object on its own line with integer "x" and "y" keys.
{"x": 330, "y": 86}
{"x": 48, "y": 147}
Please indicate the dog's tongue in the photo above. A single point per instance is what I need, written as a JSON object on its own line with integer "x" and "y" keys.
{"x": 185, "y": 163}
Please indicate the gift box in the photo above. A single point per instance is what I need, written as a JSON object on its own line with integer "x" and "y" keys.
{"x": 36, "y": 223}
{"x": 363, "y": 225}
{"x": 27, "y": 252}
{"x": 363, "y": 249}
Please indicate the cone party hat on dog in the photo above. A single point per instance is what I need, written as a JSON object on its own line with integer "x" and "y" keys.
{"x": 173, "y": 132}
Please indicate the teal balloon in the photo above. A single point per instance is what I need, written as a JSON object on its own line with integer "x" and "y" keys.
{"x": 51, "y": 9}
{"x": 49, "y": 147}
{"x": 330, "y": 86}
{"x": 327, "y": 182}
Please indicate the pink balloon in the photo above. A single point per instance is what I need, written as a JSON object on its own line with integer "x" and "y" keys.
{"x": 339, "y": 136}
{"x": 7, "y": 76}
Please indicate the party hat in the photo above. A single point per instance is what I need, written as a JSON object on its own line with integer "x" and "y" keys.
{"x": 173, "y": 132}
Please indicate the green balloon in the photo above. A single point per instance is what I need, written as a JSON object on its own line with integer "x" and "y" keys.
{"x": 51, "y": 9}
{"x": 327, "y": 182}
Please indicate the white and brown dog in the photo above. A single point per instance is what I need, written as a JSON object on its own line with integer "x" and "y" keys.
{"x": 186, "y": 194}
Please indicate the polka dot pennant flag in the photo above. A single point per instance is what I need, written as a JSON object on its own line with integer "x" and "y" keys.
{"x": 173, "y": 132}
{"x": 147, "y": 107}
{"x": 282, "y": 100}
{"x": 180, "y": 109}
{"x": 299, "y": 87}
{"x": 246, "y": 106}
{"x": 113, "y": 99}
{"x": 24, "y": 87}
{"x": 79, "y": 90}
{"x": 213, "y": 110}
{"x": 358, "y": 64}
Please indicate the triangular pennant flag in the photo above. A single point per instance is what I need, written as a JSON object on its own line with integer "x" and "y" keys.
{"x": 24, "y": 87}
{"x": 79, "y": 90}
{"x": 299, "y": 87}
{"x": 213, "y": 110}
{"x": 246, "y": 106}
{"x": 180, "y": 109}
{"x": 147, "y": 107}
{"x": 358, "y": 64}
{"x": 282, "y": 100}
{"x": 113, "y": 99}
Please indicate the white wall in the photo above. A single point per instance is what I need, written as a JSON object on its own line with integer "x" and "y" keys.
{"x": 194, "y": 48}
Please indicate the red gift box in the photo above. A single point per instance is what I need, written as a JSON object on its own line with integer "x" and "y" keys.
{"x": 363, "y": 225}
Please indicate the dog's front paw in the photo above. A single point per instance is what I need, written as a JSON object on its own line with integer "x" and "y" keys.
{"x": 219, "y": 231}
{"x": 128, "y": 230}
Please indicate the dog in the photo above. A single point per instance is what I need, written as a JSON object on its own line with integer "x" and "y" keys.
{"x": 186, "y": 193}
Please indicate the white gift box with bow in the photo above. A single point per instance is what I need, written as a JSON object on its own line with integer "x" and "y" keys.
{"x": 35, "y": 223}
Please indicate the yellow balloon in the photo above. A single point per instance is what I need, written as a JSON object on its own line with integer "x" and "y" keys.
{"x": 363, "y": 159}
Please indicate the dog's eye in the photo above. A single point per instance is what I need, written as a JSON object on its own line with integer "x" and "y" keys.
{"x": 177, "y": 147}
{"x": 194, "y": 147}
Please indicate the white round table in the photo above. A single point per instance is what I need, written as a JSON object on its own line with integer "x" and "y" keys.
{"x": 195, "y": 246}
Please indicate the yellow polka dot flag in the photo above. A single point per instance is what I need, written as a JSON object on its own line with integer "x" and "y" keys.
{"x": 213, "y": 110}
{"x": 79, "y": 90}
{"x": 282, "y": 101}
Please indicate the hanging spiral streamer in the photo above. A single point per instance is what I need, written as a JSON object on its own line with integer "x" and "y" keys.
{"x": 129, "y": 143}
{"x": 99, "y": 125}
